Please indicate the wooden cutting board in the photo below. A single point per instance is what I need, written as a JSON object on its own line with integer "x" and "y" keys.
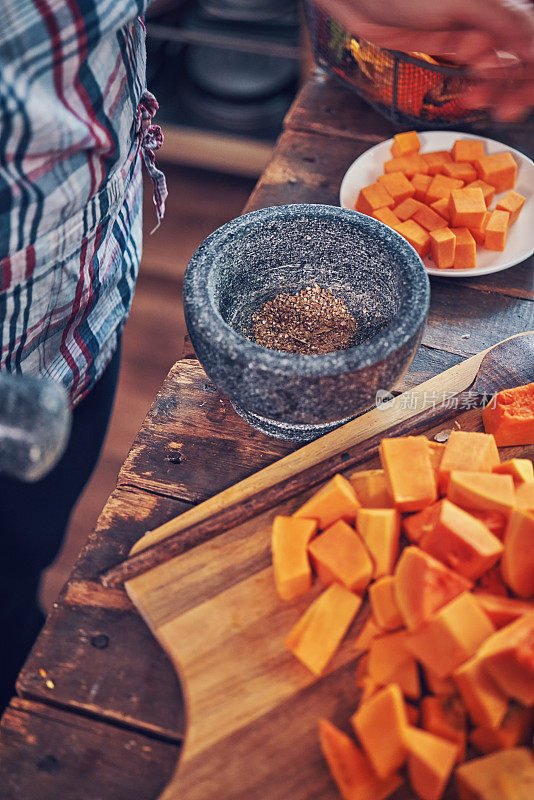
{"x": 252, "y": 708}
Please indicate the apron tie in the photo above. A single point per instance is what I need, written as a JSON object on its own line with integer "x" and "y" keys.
{"x": 151, "y": 140}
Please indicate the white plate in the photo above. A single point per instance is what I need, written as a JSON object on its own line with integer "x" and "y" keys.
{"x": 520, "y": 243}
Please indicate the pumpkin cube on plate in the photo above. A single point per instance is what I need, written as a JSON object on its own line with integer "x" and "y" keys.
{"x": 407, "y": 208}
{"x": 415, "y": 235}
{"x": 487, "y": 190}
{"x": 398, "y": 186}
{"x": 467, "y": 207}
{"x": 512, "y": 202}
{"x": 387, "y": 216}
{"x": 499, "y": 169}
{"x": 469, "y": 150}
{"x": 442, "y": 186}
{"x": 441, "y": 207}
{"x": 372, "y": 197}
{"x": 496, "y": 231}
{"x": 428, "y": 219}
{"x": 465, "y": 172}
{"x": 409, "y": 164}
{"x": 479, "y": 233}
{"x": 465, "y": 255}
{"x": 443, "y": 247}
{"x": 436, "y": 159}
{"x": 420, "y": 184}
{"x": 405, "y": 143}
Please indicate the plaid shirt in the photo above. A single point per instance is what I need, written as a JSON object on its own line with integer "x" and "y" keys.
{"x": 74, "y": 123}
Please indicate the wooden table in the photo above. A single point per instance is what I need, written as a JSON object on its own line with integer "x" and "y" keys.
{"x": 99, "y": 714}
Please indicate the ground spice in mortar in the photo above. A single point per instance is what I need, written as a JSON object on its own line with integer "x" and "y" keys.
{"x": 312, "y": 322}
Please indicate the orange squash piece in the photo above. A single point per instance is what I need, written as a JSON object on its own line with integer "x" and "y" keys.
{"x": 516, "y": 729}
{"x": 465, "y": 255}
{"x": 372, "y": 197}
{"x": 462, "y": 542}
{"x": 487, "y": 190}
{"x": 493, "y": 520}
{"x": 517, "y": 564}
{"x": 412, "y": 488}
{"x": 469, "y": 150}
{"x": 380, "y": 530}
{"x": 451, "y": 635}
{"x": 443, "y": 247}
{"x": 391, "y": 662}
{"x": 467, "y": 451}
{"x": 485, "y": 491}
{"x": 499, "y": 169}
{"x": 381, "y": 725}
{"x": 416, "y": 525}
{"x": 319, "y": 632}
{"x": 350, "y": 769}
{"x": 461, "y": 170}
{"x": 436, "y": 451}
{"x": 467, "y": 208}
{"x": 384, "y": 605}
{"x": 506, "y": 775}
{"x": 289, "y": 545}
{"x": 441, "y": 687}
{"x": 398, "y": 186}
{"x": 484, "y": 701}
{"x": 370, "y": 630}
{"x": 371, "y": 488}
{"x": 441, "y": 207}
{"x": 420, "y": 184}
{"x": 430, "y": 763}
{"x": 496, "y": 232}
{"x": 445, "y": 716}
{"x": 436, "y": 159}
{"x": 369, "y": 687}
{"x": 521, "y": 469}
{"x": 508, "y": 658}
{"x": 387, "y": 216}
{"x": 409, "y": 164}
{"x": 502, "y": 610}
{"x": 491, "y": 581}
{"x": 524, "y": 496}
{"x": 407, "y": 208}
{"x": 479, "y": 234}
{"x": 339, "y": 555}
{"x": 428, "y": 219}
{"x": 512, "y": 202}
{"x": 405, "y": 143}
{"x": 423, "y": 585}
{"x": 415, "y": 235}
{"x": 362, "y": 669}
{"x": 336, "y": 500}
{"x": 442, "y": 186}
{"x": 509, "y": 416}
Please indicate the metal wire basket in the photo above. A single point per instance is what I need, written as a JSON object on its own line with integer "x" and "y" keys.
{"x": 408, "y": 88}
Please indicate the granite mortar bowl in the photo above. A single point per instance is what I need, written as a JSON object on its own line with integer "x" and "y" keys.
{"x": 251, "y": 259}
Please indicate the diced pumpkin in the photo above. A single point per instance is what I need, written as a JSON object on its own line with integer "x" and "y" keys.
{"x": 372, "y": 197}
{"x": 485, "y": 491}
{"x": 461, "y": 170}
{"x": 370, "y": 630}
{"x": 436, "y": 450}
{"x": 506, "y": 775}
{"x": 483, "y": 699}
{"x": 502, "y": 610}
{"x": 380, "y": 530}
{"x": 443, "y": 247}
{"x": 512, "y": 202}
{"x": 340, "y": 555}
{"x": 398, "y": 186}
{"x": 465, "y": 450}
{"x": 415, "y": 235}
{"x": 517, "y": 564}
{"x": 409, "y": 164}
{"x": 467, "y": 207}
{"x": 524, "y": 496}
{"x": 412, "y": 488}
{"x": 496, "y": 231}
{"x": 430, "y": 763}
{"x": 420, "y": 184}
{"x": 445, "y": 716}
{"x": 387, "y": 216}
{"x": 428, "y": 219}
{"x": 435, "y": 160}
{"x": 336, "y": 500}
{"x": 465, "y": 254}
{"x": 451, "y": 635}
{"x": 509, "y": 416}
{"x": 423, "y": 585}
{"x": 349, "y": 767}
{"x": 516, "y": 729}
{"x": 493, "y": 520}
{"x": 407, "y": 208}
{"x": 469, "y": 150}
{"x": 384, "y": 605}
{"x": 491, "y": 582}
{"x": 499, "y": 169}
{"x": 441, "y": 687}
{"x": 442, "y": 186}
{"x": 319, "y": 632}
{"x": 479, "y": 234}
{"x": 416, "y": 525}
{"x": 362, "y": 669}
{"x": 369, "y": 687}
{"x": 371, "y": 489}
{"x": 391, "y": 662}
{"x": 381, "y": 724}
{"x": 289, "y": 545}
{"x": 508, "y": 658}
{"x": 487, "y": 190}
{"x": 462, "y": 542}
{"x": 521, "y": 469}
{"x": 441, "y": 207}
{"x": 405, "y": 143}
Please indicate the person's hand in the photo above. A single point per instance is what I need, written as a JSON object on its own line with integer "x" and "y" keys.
{"x": 493, "y": 38}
